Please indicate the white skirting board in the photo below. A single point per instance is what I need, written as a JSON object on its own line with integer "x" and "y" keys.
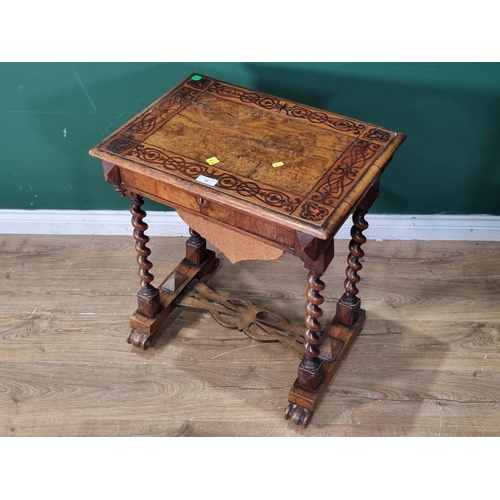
{"x": 117, "y": 222}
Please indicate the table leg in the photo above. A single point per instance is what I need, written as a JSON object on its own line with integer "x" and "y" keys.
{"x": 331, "y": 348}
{"x": 148, "y": 297}
{"x": 349, "y": 305}
{"x": 198, "y": 255}
{"x": 199, "y": 264}
{"x": 196, "y": 247}
{"x": 310, "y": 373}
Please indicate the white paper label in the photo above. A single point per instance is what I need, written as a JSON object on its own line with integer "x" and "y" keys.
{"x": 206, "y": 180}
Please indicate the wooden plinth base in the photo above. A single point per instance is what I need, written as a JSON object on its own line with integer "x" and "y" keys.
{"x": 183, "y": 288}
{"x": 143, "y": 327}
{"x": 337, "y": 341}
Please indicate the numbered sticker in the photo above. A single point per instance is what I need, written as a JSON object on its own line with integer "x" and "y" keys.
{"x": 206, "y": 180}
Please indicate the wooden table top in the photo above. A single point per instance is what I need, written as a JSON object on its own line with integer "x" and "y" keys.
{"x": 298, "y": 166}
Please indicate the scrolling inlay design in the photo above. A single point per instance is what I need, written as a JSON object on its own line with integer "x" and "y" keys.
{"x": 375, "y": 134}
{"x": 191, "y": 169}
{"x": 121, "y": 145}
{"x": 345, "y": 172}
{"x": 311, "y": 211}
{"x": 199, "y": 84}
{"x": 160, "y": 113}
{"x": 290, "y": 109}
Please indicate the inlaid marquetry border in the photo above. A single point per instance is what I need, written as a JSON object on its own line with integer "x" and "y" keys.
{"x": 191, "y": 169}
{"x": 312, "y": 212}
{"x": 350, "y": 167}
{"x": 348, "y": 126}
{"x": 148, "y": 123}
{"x": 314, "y": 207}
{"x": 182, "y": 95}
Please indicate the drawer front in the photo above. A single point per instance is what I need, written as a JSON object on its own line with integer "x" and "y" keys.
{"x": 174, "y": 196}
{"x": 181, "y": 198}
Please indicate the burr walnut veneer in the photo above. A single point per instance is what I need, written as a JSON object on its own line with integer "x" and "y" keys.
{"x": 262, "y": 175}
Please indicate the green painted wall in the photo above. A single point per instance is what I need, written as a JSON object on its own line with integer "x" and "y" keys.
{"x": 51, "y": 114}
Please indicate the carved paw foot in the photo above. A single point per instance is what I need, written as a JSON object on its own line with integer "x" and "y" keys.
{"x": 139, "y": 339}
{"x": 298, "y": 415}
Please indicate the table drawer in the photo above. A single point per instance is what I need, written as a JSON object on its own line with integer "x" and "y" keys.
{"x": 180, "y": 197}
{"x": 176, "y": 196}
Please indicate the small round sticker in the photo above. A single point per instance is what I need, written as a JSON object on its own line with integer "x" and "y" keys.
{"x": 196, "y": 78}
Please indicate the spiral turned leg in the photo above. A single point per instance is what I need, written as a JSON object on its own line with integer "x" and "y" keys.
{"x": 148, "y": 297}
{"x": 328, "y": 349}
{"x": 349, "y": 304}
{"x": 310, "y": 369}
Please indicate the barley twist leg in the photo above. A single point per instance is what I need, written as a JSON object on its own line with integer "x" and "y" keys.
{"x": 349, "y": 304}
{"x": 148, "y": 297}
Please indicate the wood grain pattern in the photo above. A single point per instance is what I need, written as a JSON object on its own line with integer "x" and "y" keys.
{"x": 327, "y": 161}
{"x": 427, "y": 362}
{"x": 249, "y": 148}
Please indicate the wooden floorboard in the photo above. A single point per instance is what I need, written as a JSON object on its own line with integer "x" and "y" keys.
{"x": 427, "y": 362}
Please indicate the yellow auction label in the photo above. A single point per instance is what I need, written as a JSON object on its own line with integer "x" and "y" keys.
{"x": 212, "y": 161}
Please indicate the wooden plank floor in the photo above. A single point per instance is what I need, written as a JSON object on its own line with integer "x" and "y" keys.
{"x": 427, "y": 362}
